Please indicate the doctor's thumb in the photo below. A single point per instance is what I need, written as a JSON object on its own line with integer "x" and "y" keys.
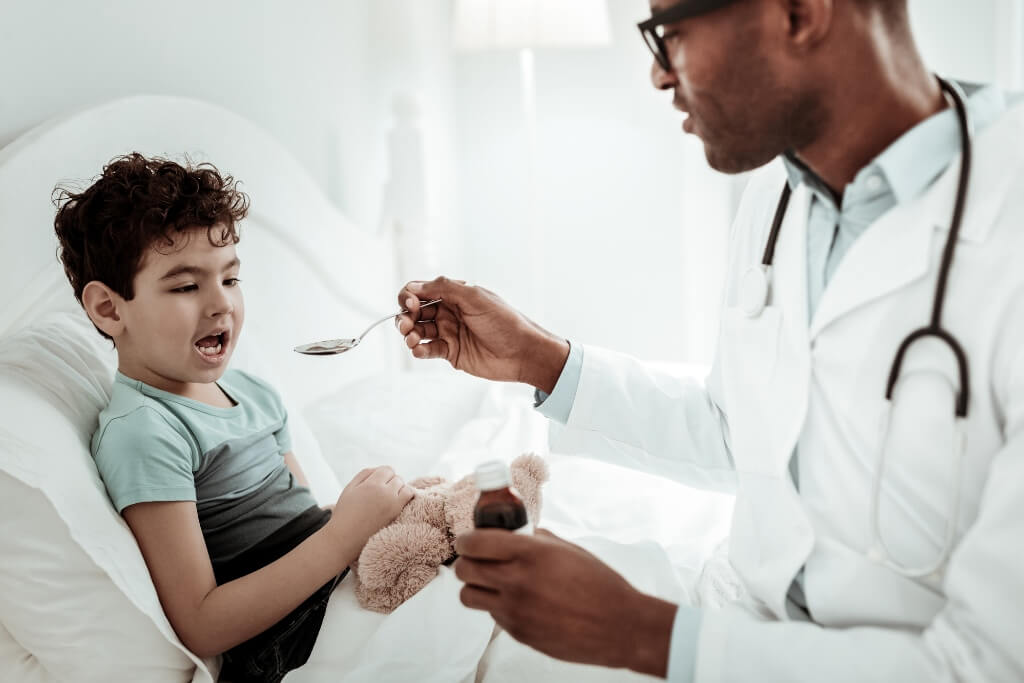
{"x": 449, "y": 290}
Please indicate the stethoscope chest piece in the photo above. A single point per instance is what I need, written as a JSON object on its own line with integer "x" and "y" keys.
{"x": 753, "y": 293}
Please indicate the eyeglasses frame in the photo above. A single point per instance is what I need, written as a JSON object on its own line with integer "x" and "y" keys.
{"x": 678, "y": 12}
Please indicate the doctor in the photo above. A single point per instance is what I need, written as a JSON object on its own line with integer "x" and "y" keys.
{"x": 866, "y": 403}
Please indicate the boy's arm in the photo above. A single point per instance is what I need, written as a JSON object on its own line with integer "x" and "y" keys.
{"x": 208, "y": 618}
{"x": 296, "y": 469}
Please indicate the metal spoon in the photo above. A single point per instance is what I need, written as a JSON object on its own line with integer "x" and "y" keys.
{"x": 330, "y": 347}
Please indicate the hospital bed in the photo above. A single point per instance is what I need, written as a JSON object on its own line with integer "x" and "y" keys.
{"x": 76, "y": 602}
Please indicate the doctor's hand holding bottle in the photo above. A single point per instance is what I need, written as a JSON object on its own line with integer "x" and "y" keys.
{"x": 479, "y": 333}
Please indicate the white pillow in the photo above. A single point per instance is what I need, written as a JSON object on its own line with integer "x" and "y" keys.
{"x": 74, "y": 588}
{"x": 62, "y": 607}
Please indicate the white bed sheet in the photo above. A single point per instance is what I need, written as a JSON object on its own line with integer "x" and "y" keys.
{"x": 655, "y": 532}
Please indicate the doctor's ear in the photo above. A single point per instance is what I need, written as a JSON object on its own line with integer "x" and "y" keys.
{"x": 809, "y": 21}
{"x": 101, "y": 303}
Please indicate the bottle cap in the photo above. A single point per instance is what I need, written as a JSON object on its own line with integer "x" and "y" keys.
{"x": 492, "y": 475}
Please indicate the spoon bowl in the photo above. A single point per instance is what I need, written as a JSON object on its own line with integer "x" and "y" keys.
{"x": 331, "y": 347}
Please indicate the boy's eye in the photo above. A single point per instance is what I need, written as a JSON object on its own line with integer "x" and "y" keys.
{"x": 185, "y": 288}
{"x": 231, "y": 281}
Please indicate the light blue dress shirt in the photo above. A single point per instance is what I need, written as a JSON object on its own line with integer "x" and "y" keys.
{"x": 900, "y": 173}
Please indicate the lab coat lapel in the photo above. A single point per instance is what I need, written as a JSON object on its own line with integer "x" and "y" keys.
{"x": 897, "y": 249}
{"x": 894, "y": 252}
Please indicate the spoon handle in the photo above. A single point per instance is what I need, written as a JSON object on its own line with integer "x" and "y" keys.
{"x": 395, "y": 315}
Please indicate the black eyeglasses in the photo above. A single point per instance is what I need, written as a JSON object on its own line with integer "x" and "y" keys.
{"x": 653, "y": 29}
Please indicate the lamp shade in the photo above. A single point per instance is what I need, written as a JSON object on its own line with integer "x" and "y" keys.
{"x": 498, "y": 24}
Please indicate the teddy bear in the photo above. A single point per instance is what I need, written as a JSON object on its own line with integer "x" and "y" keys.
{"x": 405, "y": 555}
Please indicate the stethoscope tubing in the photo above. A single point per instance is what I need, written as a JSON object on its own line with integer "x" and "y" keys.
{"x": 879, "y": 551}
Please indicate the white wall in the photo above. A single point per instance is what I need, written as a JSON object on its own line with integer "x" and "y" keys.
{"x": 979, "y": 40}
{"x": 320, "y": 75}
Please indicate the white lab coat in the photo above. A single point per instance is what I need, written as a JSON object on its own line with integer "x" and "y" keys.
{"x": 779, "y": 383}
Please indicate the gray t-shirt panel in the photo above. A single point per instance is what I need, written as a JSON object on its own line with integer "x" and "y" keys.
{"x": 152, "y": 445}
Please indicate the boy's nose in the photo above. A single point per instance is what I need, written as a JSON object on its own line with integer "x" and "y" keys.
{"x": 220, "y": 304}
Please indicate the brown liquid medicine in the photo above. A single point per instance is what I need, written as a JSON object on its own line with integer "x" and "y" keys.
{"x": 499, "y": 506}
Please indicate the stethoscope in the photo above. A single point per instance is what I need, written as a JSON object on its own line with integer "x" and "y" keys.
{"x": 753, "y": 297}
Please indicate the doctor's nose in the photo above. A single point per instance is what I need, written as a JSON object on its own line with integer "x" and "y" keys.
{"x": 662, "y": 79}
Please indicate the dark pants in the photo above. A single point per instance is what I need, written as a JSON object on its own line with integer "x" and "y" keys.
{"x": 286, "y": 645}
{"x": 268, "y": 656}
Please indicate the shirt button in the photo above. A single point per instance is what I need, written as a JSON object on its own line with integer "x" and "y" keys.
{"x": 874, "y": 182}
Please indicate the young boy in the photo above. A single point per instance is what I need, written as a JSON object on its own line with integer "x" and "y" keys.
{"x": 197, "y": 458}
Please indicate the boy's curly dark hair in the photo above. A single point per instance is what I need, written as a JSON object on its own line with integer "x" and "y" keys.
{"x": 138, "y": 203}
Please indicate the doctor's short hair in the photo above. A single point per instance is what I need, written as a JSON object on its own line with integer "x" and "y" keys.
{"x": 139, "y": 202}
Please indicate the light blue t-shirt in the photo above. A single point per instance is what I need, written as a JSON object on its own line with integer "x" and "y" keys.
{"x": 152, "y": 445}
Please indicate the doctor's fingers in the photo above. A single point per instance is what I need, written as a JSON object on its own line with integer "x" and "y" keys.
{"x": 435, "y": 348}
{"x": 421, "y": 331}
{"x": 415, "y": 291}
{"x": 406, "y": 322}
{"x": 481, "y": 599}
{"x": 506, "y": 578}
{"x": 446, "y": 326}
{"x": 494, "y": 545}
{"x": 458, "y": 294}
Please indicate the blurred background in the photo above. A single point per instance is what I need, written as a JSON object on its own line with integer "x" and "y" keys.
{"x": 537, "y": 161}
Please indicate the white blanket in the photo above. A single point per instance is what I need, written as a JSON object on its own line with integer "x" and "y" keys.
{"x": 655, "y": 532}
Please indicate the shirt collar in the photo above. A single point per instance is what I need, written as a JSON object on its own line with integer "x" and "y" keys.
{"x": 911, "y": 163}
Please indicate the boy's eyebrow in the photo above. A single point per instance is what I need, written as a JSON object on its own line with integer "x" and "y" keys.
{"x": 196, "y": 270}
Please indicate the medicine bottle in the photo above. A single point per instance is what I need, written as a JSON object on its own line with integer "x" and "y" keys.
{"x": 499, "y": 506}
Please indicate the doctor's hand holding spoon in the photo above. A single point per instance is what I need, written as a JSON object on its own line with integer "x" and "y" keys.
{"x": 479, "y": 333}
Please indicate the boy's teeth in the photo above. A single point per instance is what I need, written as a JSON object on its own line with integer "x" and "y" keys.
{"x": 209, "y": 350}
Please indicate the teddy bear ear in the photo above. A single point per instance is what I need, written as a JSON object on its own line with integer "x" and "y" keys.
{"x": 529, "y": 471}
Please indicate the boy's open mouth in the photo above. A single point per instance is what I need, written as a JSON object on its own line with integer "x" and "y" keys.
{"x": 212, "y": 345}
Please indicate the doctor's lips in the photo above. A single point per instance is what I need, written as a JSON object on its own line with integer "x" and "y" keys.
{"x": 687, "y": 120}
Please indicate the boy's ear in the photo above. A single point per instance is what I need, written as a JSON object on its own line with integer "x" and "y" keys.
{"x": 100, "y": 303}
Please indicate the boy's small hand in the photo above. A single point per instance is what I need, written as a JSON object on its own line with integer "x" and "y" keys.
{"x": 370, "y": 501}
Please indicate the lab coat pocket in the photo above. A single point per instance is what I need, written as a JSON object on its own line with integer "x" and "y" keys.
{"x": 749, "y": 346}
{"x": 748, "y": 360}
